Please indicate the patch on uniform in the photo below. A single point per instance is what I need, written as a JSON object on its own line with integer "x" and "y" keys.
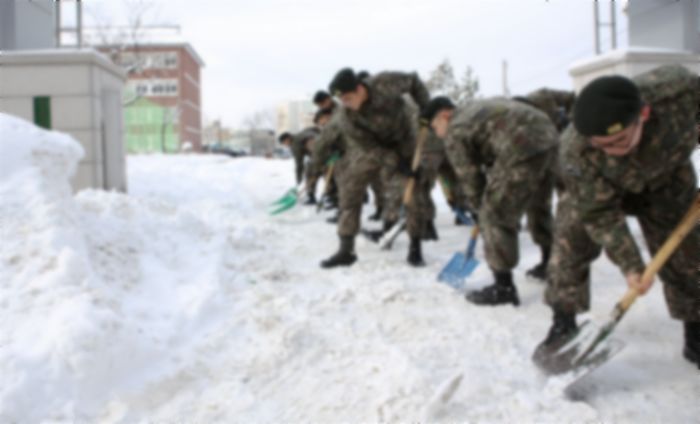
{"x": 615, "y": 128}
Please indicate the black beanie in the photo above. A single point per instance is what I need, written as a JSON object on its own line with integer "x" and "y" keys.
{"x": 283, "y": 136}
{"x": 434, "y": 106}
{"x": 606, "y": 106}
{"x": 344, "y": 81}
{"x": 320, "y": 96}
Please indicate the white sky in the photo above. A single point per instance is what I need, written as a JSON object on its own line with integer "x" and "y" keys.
{"x": 261, "y": 53}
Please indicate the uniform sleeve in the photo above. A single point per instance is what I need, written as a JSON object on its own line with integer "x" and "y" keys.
{"x": 298, "y": 153}
{"x": 399, "y": 83}
{"x": 469, "y": 173}
{"x": 323, "y": 147}
{"x": 600, "y": 206}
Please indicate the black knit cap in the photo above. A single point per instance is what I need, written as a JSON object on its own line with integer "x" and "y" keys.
{"x": 283, "y": 136}
{"x": 606, "y": 106}
{"x": 327, "y": 111}
{"x": 436, "y": 105}
{"x": 320, "y": 96}
{"x": 344, "y": 81}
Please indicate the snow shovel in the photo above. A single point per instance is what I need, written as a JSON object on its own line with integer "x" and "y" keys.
{"x": 592, "y": 346}
{"x": 288, "y": 201}
{"x": 388, "y": 239}
{"x": 329, "y": 174}
{"x": 461, "y": 265}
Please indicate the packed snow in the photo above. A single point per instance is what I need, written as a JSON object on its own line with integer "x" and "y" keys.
{"x": 184, "y": 301}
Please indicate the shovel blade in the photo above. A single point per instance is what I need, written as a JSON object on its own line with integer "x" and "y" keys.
{"x": 280, "y": 207}
{"x": 457, "y": 270}
{"x": 388, "y": 239}
{"x": 589, "y": 348}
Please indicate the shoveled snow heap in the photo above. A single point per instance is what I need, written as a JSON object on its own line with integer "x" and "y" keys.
{"x": 185, "y": 301}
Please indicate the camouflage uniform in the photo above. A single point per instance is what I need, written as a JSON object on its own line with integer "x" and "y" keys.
{"x": 501, "y": 151}
{"x": 377, "y": 137}
{"x": 302, "y": 154}
{"x": 656, "y": 182}
{"x": 557, "y": 104}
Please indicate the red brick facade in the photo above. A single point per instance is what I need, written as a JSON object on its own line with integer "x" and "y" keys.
{"x": 152, "y": 66}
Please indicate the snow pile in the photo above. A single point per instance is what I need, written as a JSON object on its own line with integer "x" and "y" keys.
{"x": 98, "y": 293}
{"x": 185, "y": 301}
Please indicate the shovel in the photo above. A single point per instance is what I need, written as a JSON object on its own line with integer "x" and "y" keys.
{"x": 388, "y": 239}
{"x": 461, "y": 265}
{"x": 288, "y": 201}
{"x": 592, "y": 346}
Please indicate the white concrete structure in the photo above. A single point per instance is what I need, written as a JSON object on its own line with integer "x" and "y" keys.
{"x": 660, "y": 32}
{"x": 82, "y": 91}
{"x": 27, "y": 24}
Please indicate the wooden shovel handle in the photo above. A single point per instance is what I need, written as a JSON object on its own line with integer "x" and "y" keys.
{"x": 689, "y": 221}
{"x": 417, "y": 154}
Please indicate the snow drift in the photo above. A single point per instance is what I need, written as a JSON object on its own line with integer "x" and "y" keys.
{"x": 184, "y": 301}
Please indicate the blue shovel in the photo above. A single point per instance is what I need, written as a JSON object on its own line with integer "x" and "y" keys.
{"x": 461, "y": 265}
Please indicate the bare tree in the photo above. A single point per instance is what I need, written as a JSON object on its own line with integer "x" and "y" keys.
{"x": 260, "y": 126}
{"x": 442, "y": 82}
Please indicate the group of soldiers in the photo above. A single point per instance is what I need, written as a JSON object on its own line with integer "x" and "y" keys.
{"x": 621, "y": 147}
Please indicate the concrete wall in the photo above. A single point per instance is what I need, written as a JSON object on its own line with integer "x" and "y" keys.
{"x": 27, "y": 24}
{"x": 629, "y": 63}
{"x": 668, "y": 24}
{"x": 85, "y": 91}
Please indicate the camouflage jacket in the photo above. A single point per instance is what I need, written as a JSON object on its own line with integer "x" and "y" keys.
{"x": 299, "y": 150}
{"x": 599, "y": 182}
{"x": 330, "y": 141}
{"x": 385, "y": 119}
{"x": 483, "y": 131}
{"x": 557, "y": 104}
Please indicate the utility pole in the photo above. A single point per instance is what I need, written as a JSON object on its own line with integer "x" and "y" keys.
{"x": 506, "y": 91}
{"x": 597, "y": 24}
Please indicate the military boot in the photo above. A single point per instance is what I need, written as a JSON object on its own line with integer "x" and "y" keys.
{"x": 415, "y": 256}
{"x": 345, "y": 255}
{"x": 501, "y": 292}
{"x": 310, "y": 199}
{"x": 691, "y": 351}
{"x": 334, "y": 219}
{"x": 377, "y": 215}
{"x": 430, "y": 232}
{"x": 539, "y": 271}
{"x": 562, "y": 330}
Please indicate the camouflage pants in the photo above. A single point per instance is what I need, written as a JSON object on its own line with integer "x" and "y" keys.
{"x": 658, "y": 212}
{"x": 311, "y": 179}
{"x": 512, "y": 189}
{"x": 358, "y": 168}
{"x": 417, "y": 209}
{"x": 450, "y": 186}
{"x": 378, "y": 191}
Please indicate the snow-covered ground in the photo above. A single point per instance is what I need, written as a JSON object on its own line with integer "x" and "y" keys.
{"x": 184, "y": 301}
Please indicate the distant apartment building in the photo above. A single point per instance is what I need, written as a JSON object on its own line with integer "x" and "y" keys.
{"x": 294, "y": 116}
{"x": 162, "y": 97}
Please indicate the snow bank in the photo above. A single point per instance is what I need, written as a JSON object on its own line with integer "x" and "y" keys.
{"x": 185, "y": 301}
{"x": 99, "y": 292}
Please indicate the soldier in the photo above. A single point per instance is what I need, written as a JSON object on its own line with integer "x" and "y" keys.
{"x": 501, "y": 151}
{"x": 628, "y": 154}
{"x": 302, "y": 146}
{"x": 380, "y": 142}
{"x": 557, "y": 104}
{"x": 324, "y": 100}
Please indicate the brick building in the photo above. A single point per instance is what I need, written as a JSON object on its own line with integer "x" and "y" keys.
{"x": 162, "y": 95}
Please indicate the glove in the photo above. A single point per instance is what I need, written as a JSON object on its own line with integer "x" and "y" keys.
{"x": 404, "y": 168}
